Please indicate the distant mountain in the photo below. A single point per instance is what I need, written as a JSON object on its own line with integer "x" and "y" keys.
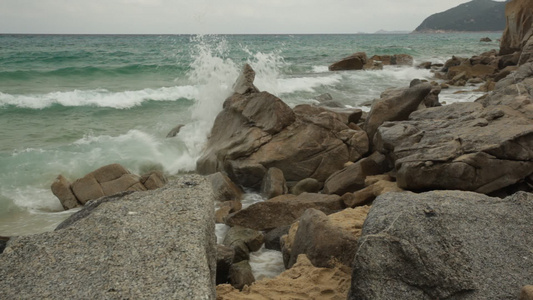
{"x": 476, "y": 15}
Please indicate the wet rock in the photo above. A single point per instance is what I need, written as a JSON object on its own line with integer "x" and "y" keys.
{"x": 485, "y": 39}
{"x": 174, "y": 131}
{"x": 61, "y": 189}
{"x": 443, "y": 245}
{"x": 154, "y": 180}
{"x": 226, "y": 208}
{"x": 243, "y": 241}
{"x": 355, "y": 61}
{"x": 283, "y": 210}
{"x": 257, "y": 131}
{"x": 3, "y": 243}
{"x": 245, "y": 82}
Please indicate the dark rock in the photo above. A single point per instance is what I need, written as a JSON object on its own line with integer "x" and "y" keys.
{"x": 444, "y": 245}
{"x": 274, "y": 184}
{"x": 272, "y": 238}
{"x": 355, "y": 61}
{"x": 283, "y": 210}
{"x": 224, "y": 261}
{"x": 485, "y": 39}
{"x": 240, "y": 274}
{"x": 425, "y": 65}
{"x": 3, "y": 243}
{"x": 174, "y": 131}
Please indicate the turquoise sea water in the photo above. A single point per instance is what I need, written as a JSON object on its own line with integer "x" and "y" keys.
{"x": 72, "y": 103}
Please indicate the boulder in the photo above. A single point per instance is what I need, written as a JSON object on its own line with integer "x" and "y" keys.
{"x": 245, "y": 82}
{"x": 272, "y": 238}
{"x": 355, "y": 61}
{"x": 425, "y": 65}
{"x": 396, "y": 59}
{"x": 243, "y": 241}
{"x": 375, "y": 186}
{"x": 308, "y": 185}
{"x": 174, "y": 131}
{"x": 452, "y": 62}
{"x": 153, "y": 245}
{"x": 283, "y": 210}
{"x": 61, "y": 189}
{"x": 240, "y": 275}
{"x": 302, "y": 281}
{"x": 225, "y": 256}
{"x": 87, "y": 188}
{"x": 226, "y": 208}
{"x": 459, "y": 146}
{"x": 328, "y": 240}
{"x": 274, "y": 184}
{"x": 352, "y": 177}
{"x": 466, "y": 71}
{"x": 395, "y": 105}
{"x": 127, "y": 182}
{"x": 154, "y": 180}
{"x": 527, "y": 293}
{"x": 519, "y": 16}
{"x": 224, "y": 189}
{"x": 485, "y": 39}
{"x": 444, "y": 245}
{"x": 257, "y": 131}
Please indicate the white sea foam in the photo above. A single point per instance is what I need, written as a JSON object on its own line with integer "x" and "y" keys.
{"x": 266, "y": 263}
{"x": 99, "y": 97}
{"x": 320, "y": 69}
{"x": 306, "y": 84}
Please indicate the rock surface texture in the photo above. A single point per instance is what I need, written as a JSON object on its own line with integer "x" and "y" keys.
{"x": 257, "y": 131}
{"x": 445, "y": 245}
{"x": 150, "y": 245}
{"x": 519, "y": 29}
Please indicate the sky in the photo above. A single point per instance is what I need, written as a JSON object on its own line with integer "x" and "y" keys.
{"x": 215, "y": 16}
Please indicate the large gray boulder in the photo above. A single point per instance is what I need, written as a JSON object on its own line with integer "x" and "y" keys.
{"x": 147, "y": 245}
{"x": 257, "y": 131}
{"x": 444, "y": 245}
{"x": 463, "y": 146}
{"x": 395, "y": 105}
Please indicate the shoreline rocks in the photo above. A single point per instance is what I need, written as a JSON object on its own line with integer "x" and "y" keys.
{"x": 153, "y": 244}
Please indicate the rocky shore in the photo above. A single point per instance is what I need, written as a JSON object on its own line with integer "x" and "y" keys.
{"x": 412, "y": 200}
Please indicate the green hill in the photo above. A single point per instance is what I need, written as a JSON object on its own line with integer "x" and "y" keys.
{"x": 476, "y": 15}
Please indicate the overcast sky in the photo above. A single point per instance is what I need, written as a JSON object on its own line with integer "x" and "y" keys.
{"x": 215, "y": 16}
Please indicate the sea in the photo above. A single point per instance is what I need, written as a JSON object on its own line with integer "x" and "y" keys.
{"x": 70, "y": 104}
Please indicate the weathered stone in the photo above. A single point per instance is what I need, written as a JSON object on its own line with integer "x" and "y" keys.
{"x": 87, "y": 188}
{"x": 154, "y": 180}
{"x": 355, "y": 61}
{"x": 308, "y": 185}
{"x": 459, "y": 146}
{"x": 283, "y": 210}
{"x": 272, "y": 238}
{"x": 109, "y": 173}
{"x": 527, "y": 293}
{"x": 3, "y": 243}
{"x": 352, "y": 178}
{"x": 245, "y": 82}
{"x": 61, "y": 189}
{"x": 243, "y": 241}
{"x": 240, "y": 275}
{"x": 425, "y": 65}
{"x": 396, "y": 107}
{"x": 223, "y": 188}
{"x": 323, "y": 241}
{"x": 224, "y": 261}
{"x": 485, "y": 39}
{"x": 274, "y": 184}
{"x": 123, "y": 183}
{"x": 174, "y": 131}
{"x": 226, "y": 208}
{"x": 444, "y": 245}
{"x": 151, "y": 245}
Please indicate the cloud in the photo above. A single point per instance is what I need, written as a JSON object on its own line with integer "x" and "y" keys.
{"x": 215, "y": 16}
